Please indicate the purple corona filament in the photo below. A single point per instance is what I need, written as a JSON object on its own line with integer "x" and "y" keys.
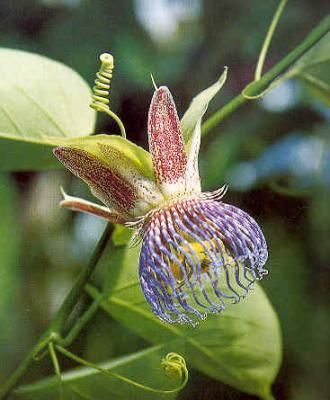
{"x": 196, "y": 255}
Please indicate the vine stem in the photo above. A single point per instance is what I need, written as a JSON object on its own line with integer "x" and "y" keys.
{"x": 256, "y": 87}
{"x": 78, "y": 288}
{"x": 54, "y": 330}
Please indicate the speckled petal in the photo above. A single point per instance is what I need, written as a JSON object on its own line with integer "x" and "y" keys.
{"x": 147, "y": 192}
{"x": 166, "y": 142}
{"x": 106, "y": 184}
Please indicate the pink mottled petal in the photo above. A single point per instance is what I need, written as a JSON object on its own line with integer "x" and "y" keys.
{"x": 106, "y": 184}
{"x": 147, "y": 192}
{"x": 165, "y": 139}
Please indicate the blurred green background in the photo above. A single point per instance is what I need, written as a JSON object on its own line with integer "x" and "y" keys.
{"x": 278, "y": 142}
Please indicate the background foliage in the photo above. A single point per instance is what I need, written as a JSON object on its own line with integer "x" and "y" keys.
{"x": 278, "y": 142}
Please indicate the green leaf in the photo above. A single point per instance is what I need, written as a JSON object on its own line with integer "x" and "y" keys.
{"x": 317, "y": 86}
{"x": 87, "y": 383}
{"x": 313, "y": 69}
{"x": 241, "y": 347}
{"x": 199, "y": 106}
{"x": 41, "y": 102}
{"x": 317, "y": 55}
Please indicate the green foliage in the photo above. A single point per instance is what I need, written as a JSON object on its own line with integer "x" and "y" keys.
{"x": 313, "y": 69}
{"x": 242, "y": 347}
{"x": 87, "y": 383}
{"x": 41, "y": 102}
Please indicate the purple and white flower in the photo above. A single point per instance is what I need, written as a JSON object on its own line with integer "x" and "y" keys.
{"x": 197, "y": 253}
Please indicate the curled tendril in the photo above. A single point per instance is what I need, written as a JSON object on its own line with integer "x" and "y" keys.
{"x": 173, "y": 363}
{"x": 101, "y": 90}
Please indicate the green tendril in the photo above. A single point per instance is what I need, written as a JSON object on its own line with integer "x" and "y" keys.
{"x": 54, "y": 359}
{"x": 101, "y": 90}
{"x": 173, "y": 363}
{"x": 268, "y": 39}
{"x": 249, "y": 89}
{"x": 57, "y": 369}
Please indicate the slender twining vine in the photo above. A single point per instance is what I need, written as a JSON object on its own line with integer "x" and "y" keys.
{"x": 56, "y": 339}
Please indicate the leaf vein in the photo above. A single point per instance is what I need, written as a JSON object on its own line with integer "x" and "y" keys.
{"x": 12, "y": 121}
{"x": 43, "y": 110}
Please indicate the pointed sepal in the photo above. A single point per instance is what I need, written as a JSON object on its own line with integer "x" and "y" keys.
{"x": 198, "y": 108}
{"x": 118, "y": 172}
{"x": 105, "y": 183}
{"x": 192, "y": 179}
{"x": 191, "y": 124}
{"x": 147, "y": 192}
{"x": 166, "y": 142}
{"x": 77, "y": 204}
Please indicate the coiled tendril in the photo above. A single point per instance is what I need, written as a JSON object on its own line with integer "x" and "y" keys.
{"x": 101, "y": 90}
{"x": 173, "y": 363}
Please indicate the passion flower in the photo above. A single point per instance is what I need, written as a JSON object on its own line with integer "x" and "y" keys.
{"x": 197, "y": 252}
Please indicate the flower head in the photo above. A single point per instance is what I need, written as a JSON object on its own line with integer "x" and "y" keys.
{"x": 197, "y": 252}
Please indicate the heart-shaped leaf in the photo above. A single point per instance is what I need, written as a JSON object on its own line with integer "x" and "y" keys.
{"x": 41, "y": 102}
